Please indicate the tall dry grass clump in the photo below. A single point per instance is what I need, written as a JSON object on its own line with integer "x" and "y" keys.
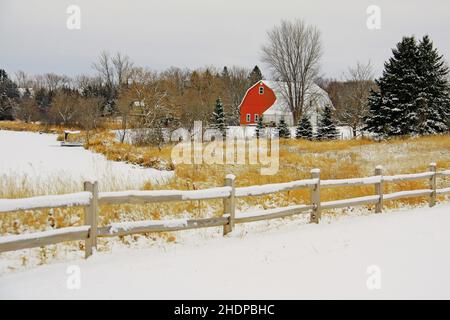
{"x": 147, "y": 156}
{"x": 32, "y": 127}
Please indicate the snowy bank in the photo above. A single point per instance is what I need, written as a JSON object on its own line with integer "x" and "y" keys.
{"x": 409, "y": 250}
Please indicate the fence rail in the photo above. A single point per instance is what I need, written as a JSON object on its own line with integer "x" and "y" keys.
{"x": 90, "y": 199}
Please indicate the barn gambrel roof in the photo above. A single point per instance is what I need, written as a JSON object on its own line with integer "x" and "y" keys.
{"x": 315, "y": 96}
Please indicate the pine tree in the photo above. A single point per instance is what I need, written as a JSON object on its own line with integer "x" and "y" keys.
{"x": 8, "y": 96}
{"x": 43, "y": 98}
{"x": 255, "y": 76}
{"x": 433, "y": 101}
{"x": 225, "y": 73}
{"x": 218, "y": 117}
{"x": 389, "y": 107}
{"x": 283, "y": 129}
{"x": 304, "y": 129}
{"x": 413, "y": 93}
{"x": 259, "y": 127}
{"x": 327, "y": 129}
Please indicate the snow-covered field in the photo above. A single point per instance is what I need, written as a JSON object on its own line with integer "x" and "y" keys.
{"x": 406, "y": 253}
{"x": 37, "y": 162}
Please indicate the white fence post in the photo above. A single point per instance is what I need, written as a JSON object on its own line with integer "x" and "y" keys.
{"x": 379, "y": 189}
{"x": 432, "y": 201}
{"x": 229, "y": 204}
{"x": 315, "y": 197}
{"x": 91, "y": 217}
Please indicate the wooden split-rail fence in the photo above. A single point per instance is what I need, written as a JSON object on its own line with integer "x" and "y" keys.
{"x": 91, "y": 199}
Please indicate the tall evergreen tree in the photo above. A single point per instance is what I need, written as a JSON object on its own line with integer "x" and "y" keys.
{"x": 255, "y": 76}
{"x": 43, "y": 98}
{"x": 304, "y": 129}
{"x": 433, "y": 101}
{"x": 413, "y": 93}
{"x": 259, "y": 127}
{"x": 8, "y": 96}
{"x": 225, "y": 73}
{"x": 283, "y": 129}
{"x": 398, "y": 88}
{"x": 326, "y": 129}
{"x": 218, "y": 120}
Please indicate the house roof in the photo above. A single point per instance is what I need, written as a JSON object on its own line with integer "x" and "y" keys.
{"x": 22, "y": 91}
{"x": 314, "y": 93}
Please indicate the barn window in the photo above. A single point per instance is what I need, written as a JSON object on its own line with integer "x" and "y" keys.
{"x": 256, "y": 117}
{"x": 248, "y": 117}
{"x": 261, "y": 90}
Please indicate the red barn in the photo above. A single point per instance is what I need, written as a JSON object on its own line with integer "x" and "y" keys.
{"x": 258, "y": 99}
{"x": 265, "y": 99}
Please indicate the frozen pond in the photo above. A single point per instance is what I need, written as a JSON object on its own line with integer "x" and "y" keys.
{"x": 36, "y": 162}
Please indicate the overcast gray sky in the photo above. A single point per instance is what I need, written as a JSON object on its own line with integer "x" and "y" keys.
{"x": 196, "y": 33}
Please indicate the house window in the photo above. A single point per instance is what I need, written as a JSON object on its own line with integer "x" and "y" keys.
{"x": 261, "y": 90}
{"x": 256, "y": 117}
{"x": 248, "y": 117}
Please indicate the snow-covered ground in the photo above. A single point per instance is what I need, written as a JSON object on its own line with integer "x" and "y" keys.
{"x": 406, "y": 253}
{"x": 38, "y": 162}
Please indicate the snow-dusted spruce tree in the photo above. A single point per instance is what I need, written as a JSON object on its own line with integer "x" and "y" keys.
{"x": 398, "y": 89}
{"x": 413, "y": 93}
{"x": 218, "y": 120}
{"x": 259, "y": 127}
{"x": 283, "y": 129}
{"x": 326, "y": 129}
{"x": 304, "y": 129}
{"x": 433, "y": 101}
{"x": 255, "y": 76}
{"x": 225, "y": 73}
{"x": 8, "y": 95}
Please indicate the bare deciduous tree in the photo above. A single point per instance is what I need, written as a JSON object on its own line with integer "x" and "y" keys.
{"x": 125, "y": 105}
{"x": 122, "y": 68}
{"x": 146, "y": 104}
{"x": 23, "y": 80}
{"x": 89, "y": 114}
{"x": 104, "y": 67}
{"x": 354, "y": 95}
{"x": 26, "y": 110}
{"x": 236, "y": 88}
{"x": 114, "y": 71}
{"x": 64, "y": 107}
{"x": 53, "y": 81}
{"x": 293, "y": 52}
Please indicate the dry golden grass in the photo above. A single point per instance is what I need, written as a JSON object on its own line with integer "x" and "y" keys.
{"x": 48, "y": 128}
{"x": 336, "y": 159}
{"x": 323, "y": 146}
{"x": 33, "y": 127}
{"x": 147, "y": 156}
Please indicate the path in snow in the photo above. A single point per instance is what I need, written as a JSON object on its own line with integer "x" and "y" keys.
{"x": 37, "y": 161}
{"x": 410, "y": 248}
